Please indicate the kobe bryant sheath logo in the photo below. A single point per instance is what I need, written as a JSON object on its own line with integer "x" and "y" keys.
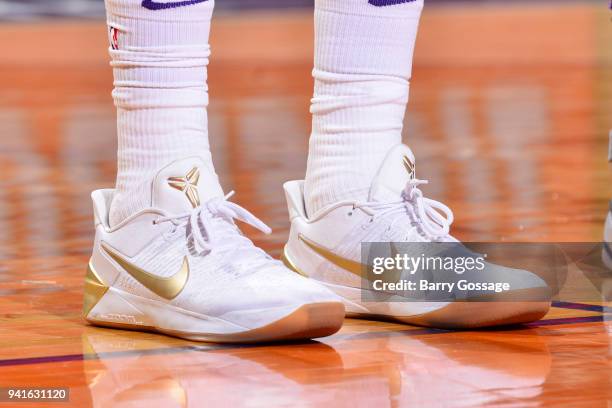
{"x": 155, "y": 5}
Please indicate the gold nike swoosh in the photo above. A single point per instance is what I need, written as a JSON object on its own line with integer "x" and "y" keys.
{"x": 168, "y": 287}
{"x": 354, "y": 267}
{"x": 349, "y": 265}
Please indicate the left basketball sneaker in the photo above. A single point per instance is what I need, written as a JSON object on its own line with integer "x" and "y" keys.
{"x": 182, "y": 267}
{"x": 326, "y": 246}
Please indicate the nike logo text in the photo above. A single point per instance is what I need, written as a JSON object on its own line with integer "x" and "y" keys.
{"x": 383, "y": 3}
{"x": 153, "y": 5}
{"x": 168, "y": 288}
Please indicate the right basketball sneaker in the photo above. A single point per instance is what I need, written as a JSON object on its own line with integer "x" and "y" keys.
{"x": 182, "y": 267}
{"x": 326, "y": 246}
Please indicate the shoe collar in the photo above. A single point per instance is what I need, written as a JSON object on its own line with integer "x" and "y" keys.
{"x": 398, "y": 167}
{"x": 184, "y": 185}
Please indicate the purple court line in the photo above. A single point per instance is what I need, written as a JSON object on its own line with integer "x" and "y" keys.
{"x": 580, "y": 306}
{"x": 206, "y": 348}
{"x": 567, "y": 320}
{"x": 175, "y": 350}
{"x": 115, "y": 354}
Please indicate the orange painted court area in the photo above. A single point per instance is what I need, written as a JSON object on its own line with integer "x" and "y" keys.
{"x": 509, "y": 116}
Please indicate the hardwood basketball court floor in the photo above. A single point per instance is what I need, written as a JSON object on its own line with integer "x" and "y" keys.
{"x": 509, "y": 117}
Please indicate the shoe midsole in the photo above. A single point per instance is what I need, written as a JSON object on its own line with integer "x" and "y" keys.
{"x": 123, "y": 308}
{"x": 354, "y": 303}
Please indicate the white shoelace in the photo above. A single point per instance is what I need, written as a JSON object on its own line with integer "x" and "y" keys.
{"x": 200, "y": 221}
{"x": 433, "y": 217}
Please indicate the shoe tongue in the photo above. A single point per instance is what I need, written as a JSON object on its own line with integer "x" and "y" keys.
{"x": 183, "y": 185}
{"x": 397, "y": 169}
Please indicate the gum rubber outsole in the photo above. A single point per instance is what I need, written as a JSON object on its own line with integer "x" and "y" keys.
{"x": 469, "y": 315}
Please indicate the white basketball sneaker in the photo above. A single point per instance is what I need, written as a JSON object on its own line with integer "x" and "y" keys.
{"x": 326, "y": 246}
{"x": 182, "y": 267}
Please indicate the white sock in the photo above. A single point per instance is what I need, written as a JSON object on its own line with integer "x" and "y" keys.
{"x": 159, "y": 60}
{"x": 362, "y": 68}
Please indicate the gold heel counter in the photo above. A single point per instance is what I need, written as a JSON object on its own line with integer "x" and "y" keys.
{"x": 290, "y": 264}
{"x": 93, "y": 291}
